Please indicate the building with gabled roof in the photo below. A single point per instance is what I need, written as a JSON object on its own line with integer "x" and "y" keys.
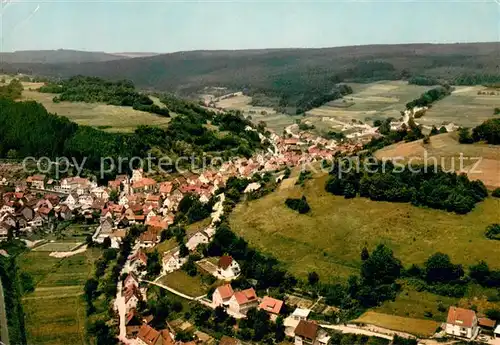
{"x": 242, "y": 301}
{"x": 222, "y": 295}
{"x": 227, "y": 268}
{"x": 462, "y": 323}
{"x": 309, "y": 333}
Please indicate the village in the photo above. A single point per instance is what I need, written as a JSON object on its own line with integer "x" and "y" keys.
{"x": 38, "y": 203}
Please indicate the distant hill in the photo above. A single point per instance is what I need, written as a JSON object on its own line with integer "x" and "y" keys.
{"x": 56, "y": 56}
{"x": 286, "y": 72}
{"x": 135, "y": 54}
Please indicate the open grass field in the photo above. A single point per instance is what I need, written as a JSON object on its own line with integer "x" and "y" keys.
{"x": 55, "y": 311}
{"x": 464, "y": 107}
{"x": 108, "y": 117}
{"x": 242, "y": 103}
{"x": 275, "y": 121}
{"x": 184, "y": 283}
{"x": 418, "y": 327}
{"x": 329, "y": 239}
{"x": 57, "y": 247}
{"x": 446, "y": 149}
{"x": 371, "y": 101}
{"x": 422, "y": 304}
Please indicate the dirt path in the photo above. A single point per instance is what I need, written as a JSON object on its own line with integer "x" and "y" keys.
{"x": 180, "y": 294}
{"x": 61, "y": 255}
{"x": 356, "y": 330}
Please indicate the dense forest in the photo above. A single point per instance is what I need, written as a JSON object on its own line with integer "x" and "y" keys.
{"x": 281, "y": 74}
{"x": 93, "y": 89}
{"x": 426, "y": 186}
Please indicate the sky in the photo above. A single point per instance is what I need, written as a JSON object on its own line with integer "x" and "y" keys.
{"x": 167, "y": 26}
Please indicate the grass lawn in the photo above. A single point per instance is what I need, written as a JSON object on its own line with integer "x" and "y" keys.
{"x": 417, "y": 327}
{"x": 165, "y": 246}
{"x": 329, "y": 239}
{"x": 422, "y": 304}
{"x": 55, "y": 311}
{"x": 108, "y": 117}
{"x": 57, "y": 247}
{"x": 184, "y": 283}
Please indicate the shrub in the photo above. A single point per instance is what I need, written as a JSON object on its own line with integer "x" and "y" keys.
{"x": 299, "y": 205}
{"x": 493, "y": 231}
{"x": 496, "y": 193}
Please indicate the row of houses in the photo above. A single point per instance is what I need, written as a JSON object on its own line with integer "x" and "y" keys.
{"x": 238, "y": 303}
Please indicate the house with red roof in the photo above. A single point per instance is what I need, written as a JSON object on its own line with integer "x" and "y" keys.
{"x": 222, "y": 295}
{"x": 243, "y": 301}
{"x": 227, "y": 268}
{"x": 138, "y": 259}
{"x": 272, "y": 306}
{"x": 149, "y": 336}
{"x": 145, "y": 184}
{"x": 132, "y": 296}
{"x": 130, "y": 281}
{"x": 462, "y": 323}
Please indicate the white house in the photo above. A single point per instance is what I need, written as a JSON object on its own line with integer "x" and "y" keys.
{"x": 37, "y": 181}
{"x": 222, "y": 295}
{"x": 309, "y": 333}
{"x": 227, "y": 268}
{"x": 197, "y": 239}
{"x": 85, "y": 199}
{"x": 462, "y": 323}
{"x": 71, "y": 200}
{"x": 132, "y": 296}
{"x": 243, "y": 301}
{"x": 172, "y": 262}
{"x": 497, "y": 332}
{"x": 300, "y": 314}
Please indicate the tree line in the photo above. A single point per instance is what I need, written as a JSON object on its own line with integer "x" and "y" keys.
{"x": 10, "y": 278}
{"x": 13, "y": 90}
{"x": 429, "y": 187}
{"x": 461, "y": 79}
{"x": 488, "y": 131}
{"x": 93, "y": 89}
{"x": 430, "y": 96}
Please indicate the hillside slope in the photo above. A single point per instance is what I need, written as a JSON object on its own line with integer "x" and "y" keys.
{"x": 56, "y": 56}
{"x": 330, "y": 238}
{"x": 284, "y": 69}
{"x": 445, "y": 150}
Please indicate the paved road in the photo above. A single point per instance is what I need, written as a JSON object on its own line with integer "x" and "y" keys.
{"x": 4, "y": 330}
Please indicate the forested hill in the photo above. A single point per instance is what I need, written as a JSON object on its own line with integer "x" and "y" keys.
{"x": 29, "y": 130}
{"x": 281, "y": 70}
{"x": 57, "y": 56}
